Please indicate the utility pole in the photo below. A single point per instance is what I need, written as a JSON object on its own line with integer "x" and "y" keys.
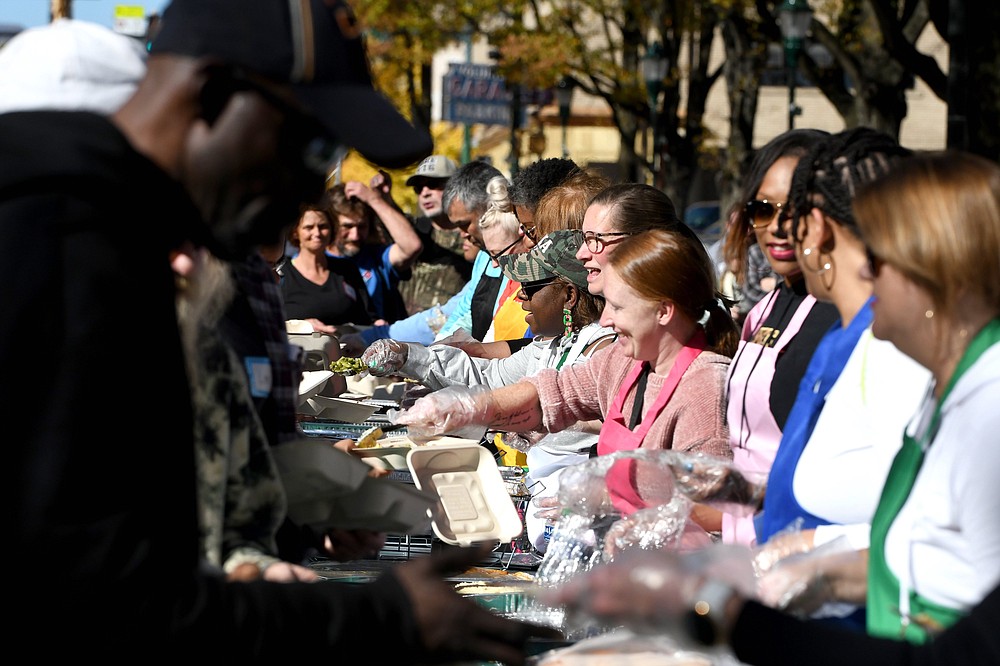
{"x": 60, "y": 9}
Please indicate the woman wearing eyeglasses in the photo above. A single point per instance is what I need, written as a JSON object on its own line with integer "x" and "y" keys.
{"x": 617, "y": 212}
{"x": 660, "y": 386}
{"x": 780, "y": 332}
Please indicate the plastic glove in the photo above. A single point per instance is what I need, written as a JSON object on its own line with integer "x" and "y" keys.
{"x": 659, "y": 527}
{"x": 650, "y": 590}
{"x": 716, "y": 482}
{"x": 792, "y": 541}
{"x": 801, "y": 584}
{"x": 447, "y": 410}
{"x": 385, "y": 357}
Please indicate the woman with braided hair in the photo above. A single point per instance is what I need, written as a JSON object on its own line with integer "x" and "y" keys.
{"x": 858, "y": 392}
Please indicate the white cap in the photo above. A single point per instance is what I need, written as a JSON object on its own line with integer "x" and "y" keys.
{"x": 70, "y": 64}
{"x": 435, "y": 166}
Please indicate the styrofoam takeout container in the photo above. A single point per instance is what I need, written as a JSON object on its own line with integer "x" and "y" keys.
{"x": 473, "y": 504}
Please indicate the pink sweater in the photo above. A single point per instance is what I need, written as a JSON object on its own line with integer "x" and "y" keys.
{"x": 693, "y": 420}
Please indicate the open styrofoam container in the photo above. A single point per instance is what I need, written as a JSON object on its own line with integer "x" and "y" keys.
{"x": 473, "y": 504}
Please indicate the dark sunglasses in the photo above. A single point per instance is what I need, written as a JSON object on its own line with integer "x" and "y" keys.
{"x": 529, "y": 289}
{"x": 418, "y": 186}
{"x": 530, "y": 233}
{"x": 875, "y": 262}
{"x": 496, "y": 257}
{"x": 318, "y": 151}
{"x": 761, "y": 212}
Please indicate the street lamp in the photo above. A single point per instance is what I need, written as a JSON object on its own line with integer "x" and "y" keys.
{"x": 654, "y": 70}
{"x": 794, "y": 17}
{"x": 564, "y": 96}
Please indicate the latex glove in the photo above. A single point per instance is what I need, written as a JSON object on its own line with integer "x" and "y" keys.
{"x": 649, "y": 590}
{"x": 447, "y": 410}
{"x": 385, "y": 357}
{"x": 454, "y": 628}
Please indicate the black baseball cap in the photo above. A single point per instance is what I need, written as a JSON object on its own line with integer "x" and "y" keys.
{"x": 317, "y": 47}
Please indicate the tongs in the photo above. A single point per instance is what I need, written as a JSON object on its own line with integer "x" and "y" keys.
{"x": 347, "y": 366}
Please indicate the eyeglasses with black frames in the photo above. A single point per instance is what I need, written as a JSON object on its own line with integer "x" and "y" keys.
{"x": 761, "y": 212}
{"x": 597, "y": 241}
{"x": 496, "y": 257}
{"x": 529, "y": 289}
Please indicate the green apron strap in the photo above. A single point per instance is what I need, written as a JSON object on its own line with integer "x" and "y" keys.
{"x": 923, "y": 618}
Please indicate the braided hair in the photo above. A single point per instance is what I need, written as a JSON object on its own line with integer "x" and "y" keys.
{"x": 835, "y": 169}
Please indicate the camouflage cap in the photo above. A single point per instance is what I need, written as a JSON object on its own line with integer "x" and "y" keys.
{"x": 553, "y": 255}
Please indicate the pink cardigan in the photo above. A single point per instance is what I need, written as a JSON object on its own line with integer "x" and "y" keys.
{"x": 693, "y": 420}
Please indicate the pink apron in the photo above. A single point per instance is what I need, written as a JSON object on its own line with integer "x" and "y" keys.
{"x": 616, "y": 436}
{"x": 753, "y": 433}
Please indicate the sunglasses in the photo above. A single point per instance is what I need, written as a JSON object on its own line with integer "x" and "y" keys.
{"x": 496, "y": 257}
{"x": 317, "y": 151}
{"x": 529, "y": 289}
{"x": 597, "y": 241}
{"x": 529, "y": 232}
{"x": 418, "y": 186}
{"x": 762, "y": 211}
{"x": 875, "y": 262}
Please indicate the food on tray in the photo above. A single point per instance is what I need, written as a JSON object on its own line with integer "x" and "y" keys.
{"x": 616, "y": 658}
{"x": 370, "y": 437}
{"x": 487, "y": 587}
{"x": 348, "y": 366}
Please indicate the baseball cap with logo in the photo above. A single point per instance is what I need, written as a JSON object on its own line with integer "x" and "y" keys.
{"x": 316, "y": 46}
{"x": 435, "y": 166}
{"x": 553, "y": 255}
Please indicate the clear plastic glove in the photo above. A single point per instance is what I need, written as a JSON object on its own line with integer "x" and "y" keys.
{"x": 385, "y": 357}
{"x": 716, "y": 482}
{"x": 792, "y": 541}
{"x": 447, "y": 411}
{"x": 650, "y": 590}
{"x": 659, "y": 527}
{"x": 801, "y": 584}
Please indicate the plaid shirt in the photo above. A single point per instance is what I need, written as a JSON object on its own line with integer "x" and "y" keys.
{"x": 262, "y": 292}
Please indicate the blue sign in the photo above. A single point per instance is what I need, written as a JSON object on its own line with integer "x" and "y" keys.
{"x": 475, "y": 94}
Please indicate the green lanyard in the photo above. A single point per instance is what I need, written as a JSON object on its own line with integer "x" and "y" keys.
{"x": 889, "y": 613}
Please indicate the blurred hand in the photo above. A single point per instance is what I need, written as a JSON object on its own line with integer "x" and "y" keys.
{"x": 385, "y": 357}
{"x": 347, "y": 545}
{"x": 780, "y": 546}
{"x": 286, "y": 572}
{"x": 650, "y": 590}
{"x": 319, "y": 326}
{"x": 454, "y": 628}
{"x": 381, "y": 182}
{"x": 357, "y": 190}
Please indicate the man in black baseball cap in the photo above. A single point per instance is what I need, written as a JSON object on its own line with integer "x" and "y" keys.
{"x": 227, "y": 135}
{"x": 317, "y": 48}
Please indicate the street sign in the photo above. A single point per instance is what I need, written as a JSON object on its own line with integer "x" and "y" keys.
{"x": 475, "y": 94}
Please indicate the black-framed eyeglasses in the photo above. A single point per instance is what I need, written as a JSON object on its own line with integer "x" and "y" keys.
{"x": 875, "y": 262}
{"x": 597, "y": 241}
{"x": 496, "y": 257}
{"x": 761, "y": 211}
{"x": 529, "y": 289}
